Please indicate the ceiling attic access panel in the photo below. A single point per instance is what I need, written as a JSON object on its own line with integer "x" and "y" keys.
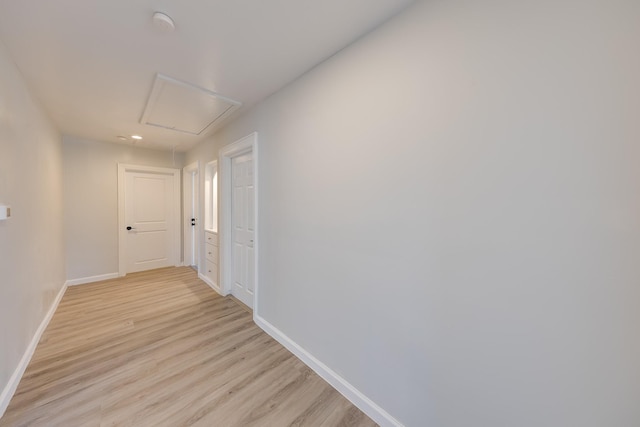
{"x": 184, "y": 107}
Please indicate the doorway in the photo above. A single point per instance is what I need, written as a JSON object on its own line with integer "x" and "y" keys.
{"x": 239, "y": 233}
{"x": 148, "y": 218}
{"x": 191, "y": 221}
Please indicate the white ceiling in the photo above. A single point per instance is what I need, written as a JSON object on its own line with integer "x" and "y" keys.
{"x": 92, "y": 63}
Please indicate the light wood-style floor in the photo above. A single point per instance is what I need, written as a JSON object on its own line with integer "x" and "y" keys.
{"x": 161, "y": 348}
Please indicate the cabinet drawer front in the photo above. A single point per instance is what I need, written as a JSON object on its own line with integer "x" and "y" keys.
{"x": 211, "y": 253}
{"x": 211, "y": 271}
{"x": 211, "y": 238}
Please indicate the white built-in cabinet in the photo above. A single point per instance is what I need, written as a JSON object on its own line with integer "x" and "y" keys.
{"x": 210, "y": 271}
{"x": 211, "y": 256}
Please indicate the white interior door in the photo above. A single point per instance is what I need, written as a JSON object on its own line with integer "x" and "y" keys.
{"x": 243, "y": 223}
{"x": 239, "y": 233}
{"x": 149, "y": 221}
{"x": 191, "y": 220}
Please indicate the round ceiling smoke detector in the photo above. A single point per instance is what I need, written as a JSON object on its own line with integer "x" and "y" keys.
{"x": 163, "y": 22}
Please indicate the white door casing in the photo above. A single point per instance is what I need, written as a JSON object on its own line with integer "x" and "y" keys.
{"x": 191, "y": 220}
{"x": 148, "y": 204}
{"x": 239, "y": 258}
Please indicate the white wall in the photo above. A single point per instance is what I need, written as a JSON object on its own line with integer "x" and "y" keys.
{"x": 91, "y": 198}
{"x": 31, "y": 241}
{"x": 450, "y": 213}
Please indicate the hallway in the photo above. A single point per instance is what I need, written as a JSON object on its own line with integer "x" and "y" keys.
{"x": 160, "y": 348}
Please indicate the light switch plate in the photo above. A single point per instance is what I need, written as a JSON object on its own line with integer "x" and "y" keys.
{"x": 5, "y": 212}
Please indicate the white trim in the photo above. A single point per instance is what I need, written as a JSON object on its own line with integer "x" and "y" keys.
{"x": 366, "y": 405}
{"x": 248, "y": 144}
{"x": 12, "y": 385}
{"x": 123, "y": 168}
{"x": 91, "y": 279}
{"x": 187, "y": 204}
{"x": 212, "y": 285}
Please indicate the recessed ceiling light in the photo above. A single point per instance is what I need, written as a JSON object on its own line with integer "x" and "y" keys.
{"x": 163, "y": 22}
{"x": 138, "y": 137}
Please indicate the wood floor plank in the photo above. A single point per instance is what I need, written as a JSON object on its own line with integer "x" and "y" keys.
{"x": 160, "y": 348}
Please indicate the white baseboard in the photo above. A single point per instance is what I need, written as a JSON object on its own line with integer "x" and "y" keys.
{"x": 12, "y": 385}
{"x": 212, "y": 285}
{"x": 91, "y": 279}
{"x": 366, "y": 405}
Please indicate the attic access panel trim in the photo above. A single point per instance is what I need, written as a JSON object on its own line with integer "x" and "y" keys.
{"x": 185, "y": 107}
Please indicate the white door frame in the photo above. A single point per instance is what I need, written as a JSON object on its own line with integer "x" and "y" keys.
{"x": 190, "y": 190}
{"x": 248, "y": 144}
{"x": 123, "y": 168}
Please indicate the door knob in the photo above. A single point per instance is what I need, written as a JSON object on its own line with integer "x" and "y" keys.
{"x": 130, "y": 228}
